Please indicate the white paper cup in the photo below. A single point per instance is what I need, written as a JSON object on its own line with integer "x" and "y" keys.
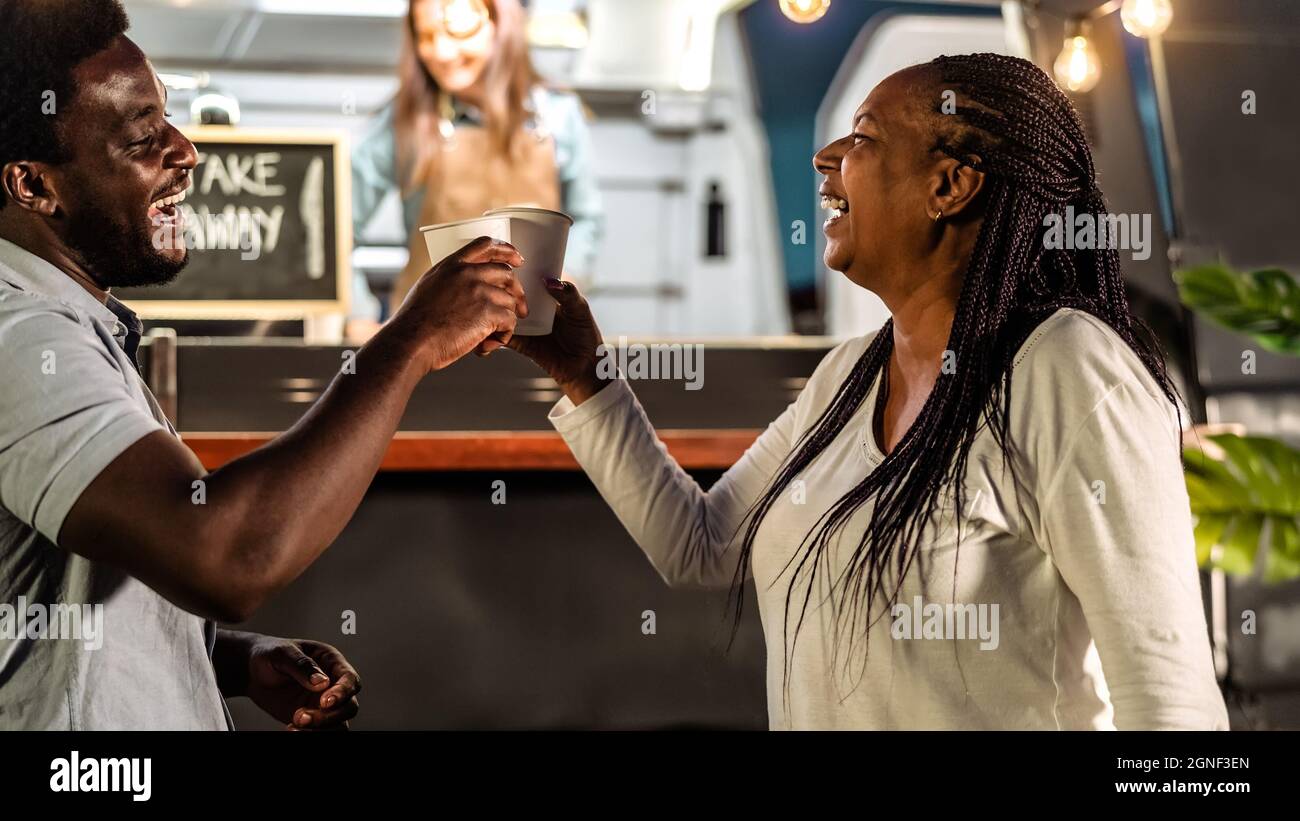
{"x": 541, "y": 235}
{"x": 448, "y": 238}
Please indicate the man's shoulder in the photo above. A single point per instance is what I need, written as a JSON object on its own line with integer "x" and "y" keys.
{"x": 40, "y": 333}
{"x": 23, "y": 312}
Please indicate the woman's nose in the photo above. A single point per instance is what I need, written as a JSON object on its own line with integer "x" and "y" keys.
{"x": 445, "y": 48}
{"x": 827, "y": 161}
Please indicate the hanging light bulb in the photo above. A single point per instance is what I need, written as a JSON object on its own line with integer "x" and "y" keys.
{"x": 213, "y": 107}
{"x": 805, "y": 11}
{"x": 1146, "y": 18}
{"x": 1078, "y": 68}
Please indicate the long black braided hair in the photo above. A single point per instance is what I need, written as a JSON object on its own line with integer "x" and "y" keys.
{"x": 1013, "y": 124}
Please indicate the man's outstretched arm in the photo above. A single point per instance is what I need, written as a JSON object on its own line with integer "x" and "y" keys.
{"x": 268, "y": 515}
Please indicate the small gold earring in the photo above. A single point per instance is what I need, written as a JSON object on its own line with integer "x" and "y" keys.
{"x": 940, "y": 214}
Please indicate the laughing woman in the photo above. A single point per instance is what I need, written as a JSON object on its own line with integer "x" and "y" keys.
{"x": 975, "y": 517}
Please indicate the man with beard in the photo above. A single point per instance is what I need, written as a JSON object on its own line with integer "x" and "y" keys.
{"x": 97, "y": 494}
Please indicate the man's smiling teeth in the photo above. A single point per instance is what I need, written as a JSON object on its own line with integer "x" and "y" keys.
{"x": 835, "y": 205}
{"x": 166, "y": 201}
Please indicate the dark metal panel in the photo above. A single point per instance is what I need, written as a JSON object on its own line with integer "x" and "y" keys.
{"x": 267, "y": 387}
{"x": 471, "y": 615}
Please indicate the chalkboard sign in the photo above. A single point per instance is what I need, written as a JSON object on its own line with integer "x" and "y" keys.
{"x": 269, "y": 227}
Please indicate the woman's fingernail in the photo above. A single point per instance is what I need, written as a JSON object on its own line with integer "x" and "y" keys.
{"x": 329, "y": 701}
{"x": 552, "y": 282}
{"x": 303, "y": 719}
{"x": 317, "y": 678}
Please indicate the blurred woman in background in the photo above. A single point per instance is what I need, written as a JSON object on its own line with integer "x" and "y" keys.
{"x": 472, "y": 128}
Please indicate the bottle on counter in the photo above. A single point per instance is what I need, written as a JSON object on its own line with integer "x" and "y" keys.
{"x": 715, "y": 223}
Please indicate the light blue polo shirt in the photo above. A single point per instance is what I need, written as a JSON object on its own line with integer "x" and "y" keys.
{"x": 83, "y": 645}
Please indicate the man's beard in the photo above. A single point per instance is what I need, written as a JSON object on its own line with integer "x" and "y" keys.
{"x": 119, "y": 256}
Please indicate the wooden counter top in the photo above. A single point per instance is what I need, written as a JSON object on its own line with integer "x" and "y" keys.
{"x": 493, "y": 450}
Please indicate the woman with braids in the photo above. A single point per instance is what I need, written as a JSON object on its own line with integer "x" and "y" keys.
{"x": 975, "y": 517}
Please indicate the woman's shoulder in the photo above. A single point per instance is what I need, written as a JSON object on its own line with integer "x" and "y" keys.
{"x": 826, "y": 379}
{"x": 376, "y": 134}
{"x": 560, "y": 111}
{"x": 837, "y": 363}
{"x": 557, "y": 99}
{"x": 1063, "y": 327}
{"x": 1074, "y": 361}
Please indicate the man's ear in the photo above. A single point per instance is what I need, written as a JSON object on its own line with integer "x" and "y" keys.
{"x": 954, "y": 187}
{"x": 29, "y": 185}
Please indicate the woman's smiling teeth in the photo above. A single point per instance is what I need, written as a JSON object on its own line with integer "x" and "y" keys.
{"x": 835, "y": 205}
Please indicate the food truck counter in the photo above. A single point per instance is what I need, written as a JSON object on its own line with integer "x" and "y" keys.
{"x": 229, "y": 396}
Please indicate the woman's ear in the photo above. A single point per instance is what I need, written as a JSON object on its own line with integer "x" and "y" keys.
{"x": 954, "y": 187}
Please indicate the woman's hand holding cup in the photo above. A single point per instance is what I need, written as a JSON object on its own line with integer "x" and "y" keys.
{"x": 569, "y": 353}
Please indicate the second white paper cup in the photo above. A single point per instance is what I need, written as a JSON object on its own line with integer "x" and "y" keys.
{"x": 542, "y": 236}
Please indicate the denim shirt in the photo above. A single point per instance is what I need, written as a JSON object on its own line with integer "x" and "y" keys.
{"x": 375, "y": 173}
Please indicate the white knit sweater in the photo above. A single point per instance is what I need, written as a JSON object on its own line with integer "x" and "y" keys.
{"x": 1077, "y": 600}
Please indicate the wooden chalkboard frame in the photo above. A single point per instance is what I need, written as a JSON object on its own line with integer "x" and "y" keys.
{"x": 274, "y": 308}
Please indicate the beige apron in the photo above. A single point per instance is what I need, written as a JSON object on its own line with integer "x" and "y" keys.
{"x": 470, "y": 178}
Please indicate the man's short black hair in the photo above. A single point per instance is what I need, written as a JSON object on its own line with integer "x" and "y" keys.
{"x": 41, "y": 42}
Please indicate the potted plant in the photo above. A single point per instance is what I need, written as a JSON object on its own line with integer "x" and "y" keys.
{"x": 1245, "y": 490}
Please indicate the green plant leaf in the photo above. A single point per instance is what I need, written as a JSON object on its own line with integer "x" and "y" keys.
{"x": 1264, "y": 304}
{"x": 1239, "y": 544}
{"x": 1284, "y": 551}
{"x": 1252, "y": 491}
{"x": 1209, "y": 529}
